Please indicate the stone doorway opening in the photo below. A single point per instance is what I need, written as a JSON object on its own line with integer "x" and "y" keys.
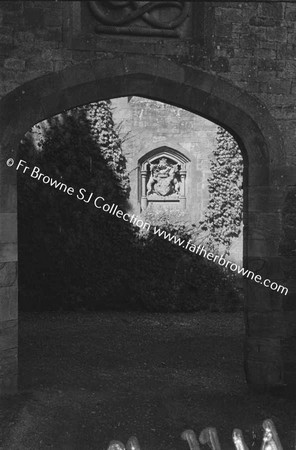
{"x": 174, "y": 371}
{"x": 196, "y": 91}
{"x": 160, "y": 164}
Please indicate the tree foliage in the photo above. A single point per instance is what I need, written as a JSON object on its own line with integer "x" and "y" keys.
{"x": 223, "y": 217}
{"x": 72, "y": 254}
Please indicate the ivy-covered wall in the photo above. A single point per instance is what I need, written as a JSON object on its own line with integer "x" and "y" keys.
{"x": 146, "y": 124}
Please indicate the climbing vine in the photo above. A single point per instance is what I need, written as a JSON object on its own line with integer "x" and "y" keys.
{"x": 102, "y": 128}
{"x": 223, "y": 217}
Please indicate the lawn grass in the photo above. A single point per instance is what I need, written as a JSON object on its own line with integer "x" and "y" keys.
{"x": 87, "y": 378}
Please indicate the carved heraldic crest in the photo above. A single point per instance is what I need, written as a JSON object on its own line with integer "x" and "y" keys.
{"x": 164, "y": 178}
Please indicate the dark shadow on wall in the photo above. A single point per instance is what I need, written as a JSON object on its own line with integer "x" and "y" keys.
{"x": 288, "y": 271}
{"x": 288, "y": 243}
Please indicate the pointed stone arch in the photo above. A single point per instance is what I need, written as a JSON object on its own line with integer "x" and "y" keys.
{"x": 165, "y": 145}
{"x": 197, "y": 91}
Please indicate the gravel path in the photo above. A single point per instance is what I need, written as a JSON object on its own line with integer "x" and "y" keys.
{"x": 88, "y": 378}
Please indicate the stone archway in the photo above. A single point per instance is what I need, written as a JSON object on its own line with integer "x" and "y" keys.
{"x": 201, "y": 93}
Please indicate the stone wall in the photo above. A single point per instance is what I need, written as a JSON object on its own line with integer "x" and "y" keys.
{"x": 233, "y": 63}
{"x": 146, "y": 125}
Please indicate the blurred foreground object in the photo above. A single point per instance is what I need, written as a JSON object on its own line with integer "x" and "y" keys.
{"x": 209, "y": 436}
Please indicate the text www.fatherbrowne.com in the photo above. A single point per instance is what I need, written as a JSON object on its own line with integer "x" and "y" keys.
{"x": 201, "y": 251}
{"x": 113, "y": 209}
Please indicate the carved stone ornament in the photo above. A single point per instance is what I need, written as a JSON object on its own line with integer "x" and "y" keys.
{"x": 164, "y": 178}
{"x": 119, "y": 17}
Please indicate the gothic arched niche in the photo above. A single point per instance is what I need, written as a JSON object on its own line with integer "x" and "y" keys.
{"x": 162, "y": 179}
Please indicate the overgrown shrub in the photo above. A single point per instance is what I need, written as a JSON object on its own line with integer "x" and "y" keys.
{"x": 72, "y": 255}
{"x": 223, "y": 217}
{"x": 170, "y": 278}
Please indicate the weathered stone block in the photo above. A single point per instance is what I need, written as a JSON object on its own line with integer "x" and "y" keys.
{"x": 262, "y": 246}
{"x": 53, "y": 54}
{"x": 15, "y": 64}
{"x": 53, "y": 18}
{"x": 39, "y": 64}
{"x": 289, "y": 301}
{"x": 8, "y": 252}
{"x": 277, "y": 86}
{"x": 85, "y": 73}
{"x": 289, "y": 358}
{"x": 266, "y": 324}
{"x": 11, "y": 18}
{"x": 224, "y": 29}
{"x": 263, "y": 363}
{"x": 291, "y": 16}
{"x": 269, "y": 9}
{"x": 263, "y": 349}
{"x": 288, "y": 350}
{"x": 8, "y": 336}
{"x": 264, "y": 21}
{"x": 267, "y": 267}
{"x": 8, "y": 303}
{"x": 286, "y": 51}
{"x": 270, "y": 64}
{"x": 15, "y": 6}
{"x": 89, "y": 91}
{"x": 220, "y": 64}
{"x": 8, "y": 274}
{"x": 233, "y": 15}
{"x": 262, "y": 242}
{"x": 24, "y": 36}
{"x": 276, "y": 34}
{"x": 8, "y": 198}
{"x": 248, "y": 42}
{"x": 265, "y": 198}
{"x": 8, "y": 372}
{"x": 47, "y": 4}
{"x": 34, "y": 17}
{"x": 284, "y": 176}
{"x": 5, "y": 38}
{"x": 290, "y": 318}
{"x": 263, "y": 376}
{"x": 8, "y": 227}
{"x": 258, "y": 174}
{"x": 54, "y": 34}
{"x": 261, "y": 299}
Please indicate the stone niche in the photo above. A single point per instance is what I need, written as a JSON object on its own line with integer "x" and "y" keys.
{"x": 162, "y": 174}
